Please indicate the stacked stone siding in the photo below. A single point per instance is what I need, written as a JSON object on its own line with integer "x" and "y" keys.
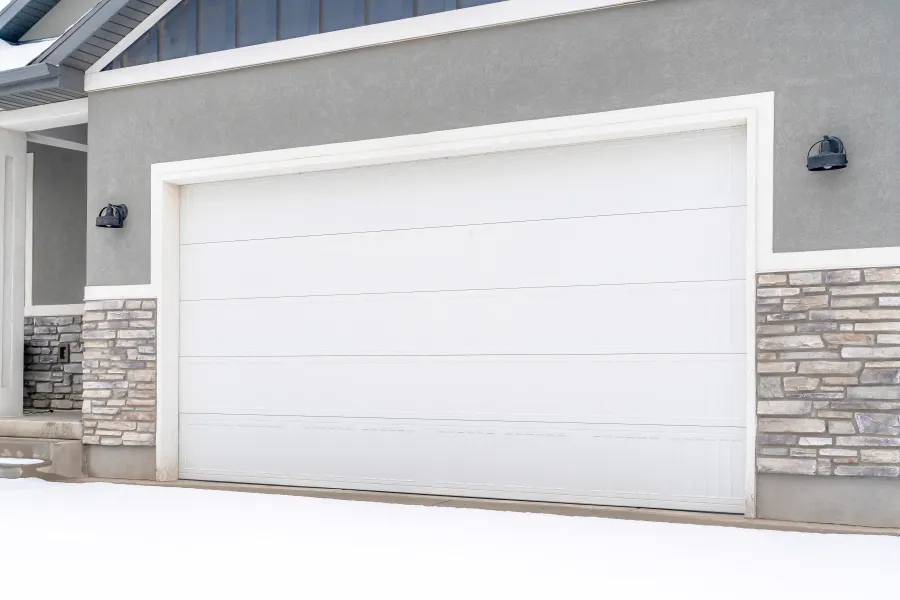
{"x": 53, "y": 363}
{"x": 828, "y": 364}
{"x": 120, "y": 373}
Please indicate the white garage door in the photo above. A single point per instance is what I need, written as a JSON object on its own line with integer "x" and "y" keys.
{"x": 562, "y": 324}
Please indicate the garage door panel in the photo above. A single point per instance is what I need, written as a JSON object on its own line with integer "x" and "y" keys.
{"x": 565, "y": 324}
{"x": 620, "y": 465}
{"x": 633, "y": 176}
{"x": 533, "y": 254}
{"x": 590, "y": 389}
{"x": 578, "y": 320}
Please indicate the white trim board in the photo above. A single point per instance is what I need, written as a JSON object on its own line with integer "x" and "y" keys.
{"x": 478, "y": 17}
{"x": 29, "y": 230}
{"x": 54, "y": 310}
{"x": 119, "y": 292}
{"x": 42, "y": 310}
{"x": 820, "y": 260}
{"x": 55, "y": 142}
{"x": 46, "y": 116}
{"x": 756, "y": 112}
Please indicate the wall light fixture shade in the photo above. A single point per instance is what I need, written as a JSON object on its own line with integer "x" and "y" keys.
{"x": 112, "y": 216}
{"x": 831, "y": 155}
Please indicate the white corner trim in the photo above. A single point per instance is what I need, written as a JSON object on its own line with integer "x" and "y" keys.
{"x": 119, "y": 292}
{"x": 29, "y": 230}
{"x": 55, "y": 142}
{"x": 46, "y": 116}
{"x": 478, "y": 17}
{"x": 43, "y": 310}
{"x": 54, "y": 310}
{"x": 133, "y": 35}
{"x": 756, "y": 112}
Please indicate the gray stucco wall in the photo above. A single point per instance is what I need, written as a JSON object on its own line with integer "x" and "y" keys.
{"x": 835, "y": 67}
{"x": 60, "y": 198}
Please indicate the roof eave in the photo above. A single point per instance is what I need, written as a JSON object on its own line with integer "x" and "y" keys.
{"x": 14, "y": 22}
{"x": 78, "y": 33}
{"x": 37, "y": 84}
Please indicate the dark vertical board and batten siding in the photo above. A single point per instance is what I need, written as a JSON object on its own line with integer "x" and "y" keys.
{"x": 257, "y": 22}
{"x": 211, "y": 26}
{"x": 178, "y": 31}
{"x": 204, "y": 26}
{"x": 299, "y": 18}
{"x": 216, "y": 25}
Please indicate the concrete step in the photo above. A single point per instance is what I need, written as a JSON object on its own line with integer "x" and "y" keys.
{"x": 60, "y": 459}
{"x": 58, "y": 425}
{"x": 17, "y": 468}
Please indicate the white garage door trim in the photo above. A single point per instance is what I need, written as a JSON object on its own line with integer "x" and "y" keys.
{"x": 756, "y": 112}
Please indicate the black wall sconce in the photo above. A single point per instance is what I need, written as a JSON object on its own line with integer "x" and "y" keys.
{"x": 112, "y": 216}
{"x": 830, "y": 155}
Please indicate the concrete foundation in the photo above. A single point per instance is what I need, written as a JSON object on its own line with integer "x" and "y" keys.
{"x": 121, "y": 462}
{"x": 861, "y": 501}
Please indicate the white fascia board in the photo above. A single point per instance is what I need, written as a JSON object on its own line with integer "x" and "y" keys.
{"x": 478, "y": 17}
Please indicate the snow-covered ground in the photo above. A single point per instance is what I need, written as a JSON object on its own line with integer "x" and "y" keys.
{"x": 18, "y": 462}
{"x": 110, "y": 541}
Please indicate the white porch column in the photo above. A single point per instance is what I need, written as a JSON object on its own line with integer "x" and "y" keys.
{"x": 12, "y": 270}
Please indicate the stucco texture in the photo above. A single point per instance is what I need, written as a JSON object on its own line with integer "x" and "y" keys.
{"x": 834, "y": 65}
{"x": 58, "y": 263}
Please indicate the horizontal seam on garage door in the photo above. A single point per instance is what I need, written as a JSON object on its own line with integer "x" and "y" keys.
{"x": 465, "y": 290}
{"x": 486, "y": 224}
{"x": 460, "y": 355}
{"x": 465, "y": 420}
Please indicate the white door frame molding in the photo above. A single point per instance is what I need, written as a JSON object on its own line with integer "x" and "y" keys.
{"x": 756, "y": 112}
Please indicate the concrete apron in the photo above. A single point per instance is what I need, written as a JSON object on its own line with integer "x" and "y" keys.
{"x": 569, "y": 510}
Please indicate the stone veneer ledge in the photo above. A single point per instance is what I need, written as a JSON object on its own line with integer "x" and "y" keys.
{"x": 828, "y": 364}
{"x": 120, "y": 372}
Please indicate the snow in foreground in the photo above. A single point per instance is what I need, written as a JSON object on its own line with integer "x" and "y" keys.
{"x": 111, "y": 541}
{"x": 18, "y": 462}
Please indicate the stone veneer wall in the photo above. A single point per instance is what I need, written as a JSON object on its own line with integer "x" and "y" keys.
{"x": 828, "y": 363}
{"x": 52, "y": 381}
{"x": 120, "y": 373}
